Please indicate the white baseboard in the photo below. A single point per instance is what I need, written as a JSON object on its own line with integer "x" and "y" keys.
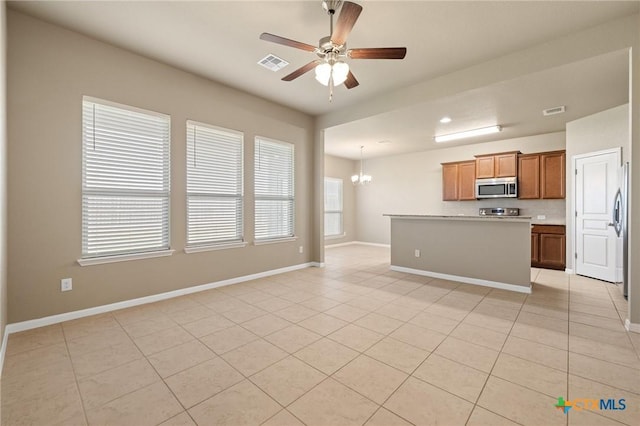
{"x": 317, "y": 264}
{"x": 55, "y": 319}
{"x": 568, "y": 271}
{"x": 362, "y": 243}
{"x": 3, "y": 349}
{"x": 467, "y": 280}
{"x": 348, "y": 243}
{"x": 630, "y": 326}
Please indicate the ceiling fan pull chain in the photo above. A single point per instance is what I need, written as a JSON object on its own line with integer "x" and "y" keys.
{"x": 331, "y": 87}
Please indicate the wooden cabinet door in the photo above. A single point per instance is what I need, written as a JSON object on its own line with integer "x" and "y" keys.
{"x": 534, "y": 249}
{"x": 467, "y": 180}
{"x": 552, "y": 250}
{"x": 528, "y": 177}
{"x": 552, "y": 176}
{"x": 485, "y": 167}
{"x": 505, "y": 165}
{"x": 449, "y": 182}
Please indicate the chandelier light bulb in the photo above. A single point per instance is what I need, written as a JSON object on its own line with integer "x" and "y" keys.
{"x": 361, "y": 178}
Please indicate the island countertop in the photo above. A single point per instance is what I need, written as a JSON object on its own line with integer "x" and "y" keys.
{"x": 460, "y": 217}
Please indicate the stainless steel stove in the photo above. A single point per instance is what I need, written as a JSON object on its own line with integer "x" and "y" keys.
{"x": 499, "y": 211}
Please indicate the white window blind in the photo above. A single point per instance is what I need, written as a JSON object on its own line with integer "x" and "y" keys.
{"x": 274, "y": 189}
{"x": 125, "y": 179}
{"x": 214, "y": 185}
{"x": 332, "y": 207}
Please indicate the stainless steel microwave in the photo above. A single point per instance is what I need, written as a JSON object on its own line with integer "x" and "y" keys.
{"x": 497, "y": 188}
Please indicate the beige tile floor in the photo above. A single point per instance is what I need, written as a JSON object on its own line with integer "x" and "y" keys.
{"x": 349, "y": 344}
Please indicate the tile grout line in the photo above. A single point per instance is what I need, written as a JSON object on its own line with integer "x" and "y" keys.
{"x": 75, "y": 377}
{"x": 494, "y": 364}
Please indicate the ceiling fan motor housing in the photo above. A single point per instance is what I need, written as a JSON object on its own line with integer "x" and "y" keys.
{"x": 326, "y": 46}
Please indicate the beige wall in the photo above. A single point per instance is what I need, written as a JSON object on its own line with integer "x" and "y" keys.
{"x": 343, "y": 168}
{"x": 597, "y": 132}
{"x": 49, "y": 70}
{"x": 3, "y": 172}
{"x": 412, "y": 184}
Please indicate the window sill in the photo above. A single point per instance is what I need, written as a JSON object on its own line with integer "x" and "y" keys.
{"x": 274, "y": 241}
{"x": 335, "y": 237}
{"x": 124, "y": 257}
{"x": 213, "y": 247}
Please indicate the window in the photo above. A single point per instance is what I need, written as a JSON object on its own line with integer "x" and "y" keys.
{"x": 125, "y": 180}
{"x": 214, "y": 185}
{"x": 332, "y": 207}
{"x": 274, "y": 189}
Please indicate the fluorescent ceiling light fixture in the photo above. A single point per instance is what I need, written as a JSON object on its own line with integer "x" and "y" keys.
{"x": 468, "y": 134}
{"x": 445, "y": 120}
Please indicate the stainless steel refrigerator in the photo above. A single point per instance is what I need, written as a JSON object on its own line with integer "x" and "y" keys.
{"x": 620, "y": 221}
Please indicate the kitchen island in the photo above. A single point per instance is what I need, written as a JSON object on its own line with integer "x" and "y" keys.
{"x": 490, "y": 251}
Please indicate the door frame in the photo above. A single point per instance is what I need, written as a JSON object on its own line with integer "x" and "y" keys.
{"x": 574, "y": 159}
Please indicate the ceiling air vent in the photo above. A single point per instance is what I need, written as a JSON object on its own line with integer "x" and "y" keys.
{"x": 553, "y": 111}
{"x": 272, "y": 62}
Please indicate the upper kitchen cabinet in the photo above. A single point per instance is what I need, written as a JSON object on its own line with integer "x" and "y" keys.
{"x": 529, "y": 176}
{"x": 552, "y": 175}
{"x": 541, "y": 175}
{"x": 458, "y": 181}
{"x": 503, "y": 164}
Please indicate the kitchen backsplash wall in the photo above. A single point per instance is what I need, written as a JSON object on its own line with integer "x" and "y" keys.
{"x": 553, "y": 210}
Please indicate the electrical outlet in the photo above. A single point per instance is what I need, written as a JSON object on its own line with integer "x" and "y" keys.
{"x": 301, "y": 249}
{"x": 417, "y": 252}
{"x": 541, "y": 217}
{"x": 66, "y": 284}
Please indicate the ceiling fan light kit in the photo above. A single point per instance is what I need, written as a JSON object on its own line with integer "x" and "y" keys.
{"x": 326, "y": 72}
{"x": 332, "y": 69}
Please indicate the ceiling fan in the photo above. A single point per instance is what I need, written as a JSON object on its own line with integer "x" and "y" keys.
{"x": 331, "y": 69}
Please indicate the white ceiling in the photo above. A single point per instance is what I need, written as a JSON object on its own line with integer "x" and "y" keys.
{"x": 583, "y": 87}
{"x": 219, "y": 40}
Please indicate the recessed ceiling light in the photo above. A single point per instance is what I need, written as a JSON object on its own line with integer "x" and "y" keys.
{"x": 468, "y": 134}
{"x": 445, "y": 120}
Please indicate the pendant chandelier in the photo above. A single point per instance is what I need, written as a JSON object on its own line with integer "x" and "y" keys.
{"x": 361, "y": 179}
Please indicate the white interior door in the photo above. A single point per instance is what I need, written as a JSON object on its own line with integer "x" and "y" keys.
{"x": 596, "y": 241}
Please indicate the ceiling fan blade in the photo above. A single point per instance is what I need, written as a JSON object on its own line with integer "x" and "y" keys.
{"x": 347, "y": 19}
{"x": 378, "y": 53}
{"x": 287, "y": 42}
{"x": 351, "y": 81}
{"x": 303, "y": 69}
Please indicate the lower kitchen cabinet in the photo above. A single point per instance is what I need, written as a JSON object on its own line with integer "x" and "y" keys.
{"x": 548, "y": 246}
